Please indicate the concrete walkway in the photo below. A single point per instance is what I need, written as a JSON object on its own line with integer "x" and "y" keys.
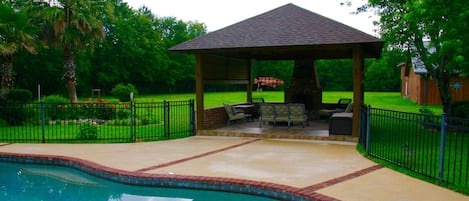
{"x": 333, "y": 170}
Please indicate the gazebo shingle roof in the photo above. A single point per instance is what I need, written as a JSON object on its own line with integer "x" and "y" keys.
{"x": 287, "y": 31}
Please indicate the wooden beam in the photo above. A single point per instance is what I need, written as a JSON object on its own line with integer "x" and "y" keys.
{"x": 249, "y": 85}
{"x": 220, "y": 68}
{"x": 199, "y": 92}
{"x": 358, "y": 89}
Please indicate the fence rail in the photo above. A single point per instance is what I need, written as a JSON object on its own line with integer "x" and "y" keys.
{"x": 96, "y": 122}
{"x": 433, "y": 146}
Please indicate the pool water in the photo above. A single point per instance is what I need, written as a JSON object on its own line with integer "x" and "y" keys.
{"x": 26, "y": 182}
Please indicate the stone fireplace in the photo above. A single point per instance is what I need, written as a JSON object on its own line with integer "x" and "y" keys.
{"x": 305, "y": 88}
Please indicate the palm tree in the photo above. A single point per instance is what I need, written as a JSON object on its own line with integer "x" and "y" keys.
{"x": 73, "y": 25}
{"x": 15, "y": 33}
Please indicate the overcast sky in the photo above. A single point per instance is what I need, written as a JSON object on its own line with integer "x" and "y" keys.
{"x": 217, "y": 14}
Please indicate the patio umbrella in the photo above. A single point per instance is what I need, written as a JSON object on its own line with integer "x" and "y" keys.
{"x": 268, "y": 81}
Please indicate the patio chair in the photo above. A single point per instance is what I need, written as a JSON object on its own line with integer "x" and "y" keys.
{"x": 282, "y": 114}
{"x": 267, "y": 113}
{"x": 341, "y": 122}
{"x": 298, "y": 113}
{"x": 233, "y": 114}
{"x": 349, "y": 108}
{"x": 343, "y": 102}
{"x": 341, "y": 106}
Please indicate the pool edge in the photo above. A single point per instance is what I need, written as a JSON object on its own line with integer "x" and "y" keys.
{"x": 257, "y": 188}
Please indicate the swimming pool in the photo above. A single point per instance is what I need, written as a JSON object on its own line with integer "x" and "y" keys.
{"x": 29, "y": 182}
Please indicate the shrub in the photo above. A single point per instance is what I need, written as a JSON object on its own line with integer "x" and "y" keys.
{"x": 118, "y": 122}
{"x": 460, "y": 109}
{"x": 122, "y": 114}
{"x": 88, "y": 131}
{"x": 55, "y": 99}
{"x": 56, "y": 107}
{"x": 14, "y": 110}
{"x": 20, "y": 95}
{"x": 430, "y": 120}
{"x": 3, "y": 123}
{"x": 122, "y": 92}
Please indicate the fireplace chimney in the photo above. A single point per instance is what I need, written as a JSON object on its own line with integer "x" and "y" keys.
{"x": 305, "y": 88}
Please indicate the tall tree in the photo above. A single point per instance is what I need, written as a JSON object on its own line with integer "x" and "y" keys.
{"x": 434, "y": 31}
{"x": 335, "y": 75}
{"x": 383, "y": 74}
{"x": 179, "y": 71}
{"x": 16, "y": 32}
{"x": 73, "y": 25}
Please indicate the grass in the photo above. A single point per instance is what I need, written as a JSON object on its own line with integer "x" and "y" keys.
{"x": 410, "y": 145}
{"x": 383, "y": 100}
{"x": 117, "y": 129}
{"x": 67, "y": 123}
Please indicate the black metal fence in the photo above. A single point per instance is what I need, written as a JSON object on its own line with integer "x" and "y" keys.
{"x": 96, "y": 122}
{"x": 433, "y": 146}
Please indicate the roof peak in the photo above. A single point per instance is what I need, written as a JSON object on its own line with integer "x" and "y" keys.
{"x": 285, "y": 26}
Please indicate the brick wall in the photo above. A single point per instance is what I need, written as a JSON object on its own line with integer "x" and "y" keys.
{"x": 215, "y": 117}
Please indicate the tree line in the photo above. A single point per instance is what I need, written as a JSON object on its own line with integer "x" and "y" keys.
{"x": 87, "y": 44}
{"x": 337, "y": 75}
{"x": 71, "y": 47}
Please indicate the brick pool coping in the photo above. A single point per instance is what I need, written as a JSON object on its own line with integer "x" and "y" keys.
{"x": 139, "y": 177}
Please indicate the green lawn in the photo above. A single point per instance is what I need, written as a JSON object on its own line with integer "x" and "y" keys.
{"x": 411, "y": 147}
{"x": 383, "y": 100}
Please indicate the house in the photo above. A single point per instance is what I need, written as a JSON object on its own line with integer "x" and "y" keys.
{"x": 418, "y": 85}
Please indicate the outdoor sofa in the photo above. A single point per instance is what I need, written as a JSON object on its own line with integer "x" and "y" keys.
{"x": 279, "y": 112}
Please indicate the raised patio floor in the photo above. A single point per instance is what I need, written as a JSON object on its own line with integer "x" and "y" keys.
{"x": 316, "y": 130}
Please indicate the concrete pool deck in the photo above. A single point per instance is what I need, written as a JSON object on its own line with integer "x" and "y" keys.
{"x": 330, "y": 170}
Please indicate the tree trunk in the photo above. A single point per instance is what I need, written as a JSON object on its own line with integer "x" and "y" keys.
{"x": 6, "y": 72}
{"x": 443, "y": 79}
{"x": 69, "y": 73}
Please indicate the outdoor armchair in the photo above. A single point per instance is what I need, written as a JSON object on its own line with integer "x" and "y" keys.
{"x": 233, "y": 114}
{"x": 341, "y": 106}
{"x": 341, "y": 122}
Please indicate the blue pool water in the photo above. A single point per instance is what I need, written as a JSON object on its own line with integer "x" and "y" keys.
{"x": 26, "y": 182}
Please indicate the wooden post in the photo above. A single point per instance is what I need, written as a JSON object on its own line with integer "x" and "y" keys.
{"x": 199, "y": 92}
{"x": 358, "y": 89}
{"x": 249, "y": 86}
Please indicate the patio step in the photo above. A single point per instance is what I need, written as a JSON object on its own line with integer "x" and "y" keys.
{"x": 298, "y": 136}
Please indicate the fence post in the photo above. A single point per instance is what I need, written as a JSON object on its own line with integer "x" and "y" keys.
{"x": 43, "y": 122}
{"x": 368, "y": 128}
{"x": 442, "y": 146}
{"x": 132, "y": 126}
{"x": 192, "y": 113}
{"x": 166, "y": 118}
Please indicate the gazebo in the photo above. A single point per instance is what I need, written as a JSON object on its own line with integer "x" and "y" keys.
{"x": 285, "y": 33}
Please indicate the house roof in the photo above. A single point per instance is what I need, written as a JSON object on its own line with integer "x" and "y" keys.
{"x": 287, "y": 32}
